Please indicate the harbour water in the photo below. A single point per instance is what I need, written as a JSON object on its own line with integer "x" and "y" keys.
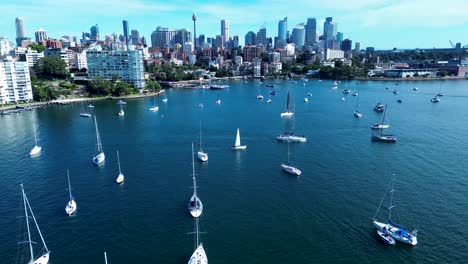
{"x": 253, "y": 211}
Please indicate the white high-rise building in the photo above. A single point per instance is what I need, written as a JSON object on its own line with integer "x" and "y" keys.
{"x": 128, "y": 65}
{"x": 188, "y": 47}
{"x": 5, "y": 46}
{"x": 15, "y": 82}
{"x": 257, "y": 67}
{"x": 29, "y": 55}
{"x": 225, "y": 30}
{"x": 80, "y": 60}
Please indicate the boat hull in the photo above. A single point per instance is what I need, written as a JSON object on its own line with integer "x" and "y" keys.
{"x": 154, "y": 109}
{"x": 287, "y": 114}
{"x": 202, "y": 156}
{"x": 291, "y": 170}
{"x": 379, "y": 126}
{"x": 100, "y": 158}
{"x": 239, "y": 147}
{"x": 395, "y": 232}
{"x": 195, "y": 206}
{"x": 120, "y": 178}
{"x": 385, "y": 237}
{"x": 44, "y": 259}
{"x": 85, "y": 115}
{"x": 385, "y": 139}
{"x": 357, "y": 114}
{"x": 198, "y": 256}
{"x": 71, "y": 207}
{"x": 291, "y": 138}
{"x": 36, "y": 150}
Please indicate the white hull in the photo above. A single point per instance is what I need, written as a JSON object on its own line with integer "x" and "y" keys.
{"x": 380, "y": 126}
{"x": 121, "y": 113}
{"x": 218, "y": 101}
{"x": 268, "y": 101}
{"x": 85, "y": 115}
{"x": 394, "y": 232}
{"x": 44, "y": 259}
{"x": 100, "y": 158}
{"x": 287, "y": 114}
{"x": 199, "y": 256}
{"x": 259, "y": 97}
{"x": 195, "y": 206}
{"x": 120, "y": 178}
{"x": 306, "y": 100}
{"x": 71, "y": 207}
{"x": 35, "y": 150}
{"x": 202, "y": 156}
{"x": 239, "y": 147}
{"x": 357, "y": 114}
{"x": 291, "y": 138}
{"x": 291, "y": 169}
{"x": 154, "y": 109}
{"x": 120, "y": 102}
{"x": 164, "y": 100}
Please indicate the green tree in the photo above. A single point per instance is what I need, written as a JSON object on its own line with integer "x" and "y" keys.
{"x": 38, "y": 47}
{"x": 152, "y": 85}
{"x": 51, "y": 67}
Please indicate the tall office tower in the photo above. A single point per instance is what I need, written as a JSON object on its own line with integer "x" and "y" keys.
{"x": 250, "y": 38}
{"x": 94, "y": 30}
{"x": 339, "y": 36}
{"x": 41, "y": 35}
{"x": 194, "y": 18}
{"x": 20, "y": 35}
{"x": 357, "y": 47}
{"x": 163, "y": 37}
{"x": 219, "y": 42}
{"x": 329, "y": 31}
{"x": 346, "y": 45}
{"x": 201, "y": 40}
{"x": 311, "y": 31}
{"x": 182, "y": 36}
{"x": 225, "y": 30}
{"x": 282, "y": 29}
{"x": 135, "y": 37}
{"x": 261, "y": 37}
{"x": 126, "y": 31}
{"x": 298, "y": 35}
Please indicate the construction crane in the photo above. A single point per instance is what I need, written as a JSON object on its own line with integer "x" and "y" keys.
{"x": 453, "y": 46}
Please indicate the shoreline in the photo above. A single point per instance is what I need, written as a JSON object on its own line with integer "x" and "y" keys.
{"x": 80, "y": 99}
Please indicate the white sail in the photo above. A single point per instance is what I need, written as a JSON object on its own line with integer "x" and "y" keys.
{"x": 238, "y": 142}
{"x": 121, "y": 177}
{"x": 100, "y": 156}
{"x": 36, "y": 148}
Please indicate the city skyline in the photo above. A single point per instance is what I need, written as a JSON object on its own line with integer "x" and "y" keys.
{"x": 374, "y": 23}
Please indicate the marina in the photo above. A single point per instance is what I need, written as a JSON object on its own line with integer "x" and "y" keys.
{"x": 250, "y": 204}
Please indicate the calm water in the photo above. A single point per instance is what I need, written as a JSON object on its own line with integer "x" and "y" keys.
{"x": 254, "y": 213}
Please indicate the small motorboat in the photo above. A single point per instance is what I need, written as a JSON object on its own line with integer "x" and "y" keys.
{"x": 357, "y": 114}
{"x": 379, "y": 107}
{"x": 273, "y": 93}
{"x": 343, "y": 99}
{"x": 440, "y": 94}
{"x": 435, "y": 99}
{"x": 395, "y": 92}
{"x": 399, "y": 101}
{"x": 268, "y": 101}
{"x": 309, "y": 94}
{"x": 259, "y": 97}
{"x": 415, "y": 88}
{"x": 270, "y": 85}
{"x": 90, "y": 106}
{"x": 355, "y": 94}
{"x": 200, "y": 105}
{"x": 306, "y": 99}
{"x": 385, "y": 237}
{"x": 346, "y": 91}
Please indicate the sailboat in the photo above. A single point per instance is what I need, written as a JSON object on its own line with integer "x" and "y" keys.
{"x": 121, "y": 112}
{"x": 440, "y": 94}
{"x": 36, "y": 148}
{"x": 288, "y": 112}
{"x": 287, "y": 167}
{"x": 155, "y": 108}
{"x": 121, "y": 177}
{"x": 105, "y": 257}
{"x": 382, "y": 124}
{"x": 83, "y": 113}
{"x": 381, "y": 137}
{"x": 195, "y": 205}
{"x": 391, "y": 228}
{"x": 290, "y": 136}
{"x": 71, "y": 206}
{"x": 203, "y": 156}
{"x": 346, "y": 90}
{"x": 199, "y": 255}
{"x": 218, "y": 100}
{"x": 269, "y": 98}
{"x": 44, "y": 257}
{"x": 259, "y": 96}
{"x": 357, "y": 114}
{"x": 100, "y": 157}
{"x": 237, "y": 144}
{"x": 335, "y": 85}
{"x": 120, "y": 102}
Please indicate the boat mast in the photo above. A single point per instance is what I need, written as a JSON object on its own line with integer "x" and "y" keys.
{"x": 200, "y": 137}
{"x": 35, "y": 137}
{"x": 197, "y": 233}
{"x": 98, "y": 138}
{"x": 193, "y": 174}
{"x": 383, "y": 121}
{"x": 288, "y": 152}
{"x": 391, "y": 199}
{"x": 69, "y": 186}
{"x": 118, "y": 161}
{"x": 35, "y": 222}
{"x": 287, "y": 103}
{"x": 105, "y": 257}
{"x": 27, "y": 224}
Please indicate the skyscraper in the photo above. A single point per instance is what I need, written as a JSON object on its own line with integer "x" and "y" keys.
{"x": 41, "y": 35}
{"x": 339, "y": 36}
{"x": 225, "y": 30}
{"x": 329, "y": 31}
{"x": 163, "y": 37}
{"x": 261, "y": 37}
{"x": 20, "y": 35}
{"x": 346, "y": 45}
{"x": 94, "y": 30}
{"x": 126, "y": 31}
{"x": 298, "y": 35}
{"x": 250, "y": 38}
{"x": 194, "y": 18}
{"x": 135, "y": 37}
{"x": 182, "y": 36}
{"x": 282, "y": 29}
{"x": 311, "y": 31}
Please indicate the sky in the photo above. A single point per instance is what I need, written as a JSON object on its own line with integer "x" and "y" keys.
{"x": 383, "y": 24}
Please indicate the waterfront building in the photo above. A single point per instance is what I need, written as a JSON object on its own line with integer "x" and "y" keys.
{"x": 225, "y": 30}
{"x": 128, "y": 65}
{"x": 311, "y": 32}
{"x": 28, "y": 55}
{"x": 15, "y": 81}
{"x": 5, "y": 46}
{"x": 252, "y": 52}
{"x": 257, "y": 68}
{"x": 126, "y": 31}
{"x": 331, "y": 54}
{"x": 298, "y": 36}
{"x": 238, "y": 60}
{"x": 282, "y": 29}
{"x": 41, "y": 35}
{"x": 262, "y": 37}
{"x": 250, "y": 38}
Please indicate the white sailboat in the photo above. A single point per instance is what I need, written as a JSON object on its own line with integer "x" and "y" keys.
{"x": 290, "y": 136}
{"x": 155, "y": 108}
{"x": 357, "y": 114}
{"x": 100, "y": 157}
{"x": 121, "y": 177}
{"x": 121, "y": 112}
{"x": 36, "y": 148}
{"x": 199, "y": 255}
{"x": 287, "y": 167}
{"x": 237, "y": 144}
{"x": 288, "y": 112}
{"x": 391, "y": 228}
{"x": 83, "y": 112}
{"x": 105, "y": 257}
{"x": 43, "y": 257}
{"x": 202, "y": 155}
{"x": 164, "y": 100}
{"x": 195, "y": 205}
{"x": 71, "y": 206}
{"x": 218, "y": 100}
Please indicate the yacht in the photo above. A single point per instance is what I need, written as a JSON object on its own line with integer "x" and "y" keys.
{"x": 306, "y": 99}
{"x": 121, "y": 177}
{"x": 435, "y": 99}
{"x": 379, "y": 107}
{"x": 195, "y": 205}
{"x": 385, "y": 237}
{"x": 154, "y": 108}
{"x": 100, "y": 157}
{"x": 202, "y": 155}
{"x": 288, "y": 112}
{"x": 381, "y": 137}
{"x": 259, "y": 97}
{"x": 287, "y": 167}
{"x": 120, "y": 102}
{"x": 237, "y": 144}
{"x": 395, "y": 92}
{"x": 415, "y": 88}
{"x": 84, "y": 113}
{"x": 71, "y": 206}
{"x": 290, "y": 137}
{"x": 36, "y": 148}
